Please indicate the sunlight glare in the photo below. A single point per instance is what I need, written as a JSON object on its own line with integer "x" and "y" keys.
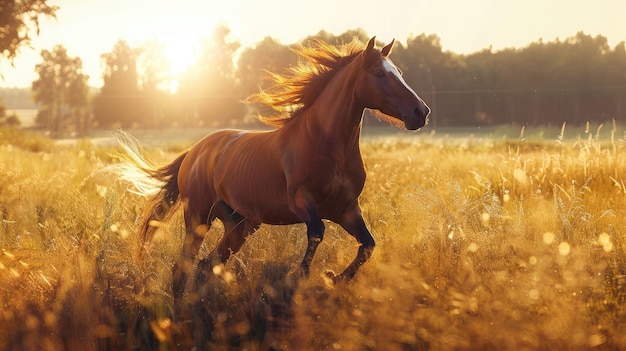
{"x": 172, "y": 88}
{"x": 180, "y": 51}
{"x": 182, "y": 34}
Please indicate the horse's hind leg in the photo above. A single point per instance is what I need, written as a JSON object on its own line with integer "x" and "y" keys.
{"x": 197, "y": 225}
{"x": 236, "y": 229}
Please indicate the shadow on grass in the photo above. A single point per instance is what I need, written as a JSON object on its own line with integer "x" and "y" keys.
{"x": 232, "y": 314}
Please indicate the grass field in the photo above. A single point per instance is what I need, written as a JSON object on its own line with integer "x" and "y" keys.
{"x": 483, "y": 243}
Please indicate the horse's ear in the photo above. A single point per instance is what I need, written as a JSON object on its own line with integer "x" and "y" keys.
{"x": 370, "y": 44}
{"x": 387, "y": 49}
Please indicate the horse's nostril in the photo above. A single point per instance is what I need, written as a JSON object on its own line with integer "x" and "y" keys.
{"x": 421, "y": 111}
{"x": 418, "y": 112}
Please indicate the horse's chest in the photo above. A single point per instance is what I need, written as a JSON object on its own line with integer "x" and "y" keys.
{"x": 341, "y": 186}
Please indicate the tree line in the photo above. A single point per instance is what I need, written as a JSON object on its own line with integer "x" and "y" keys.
{"x": 575, "y": 80}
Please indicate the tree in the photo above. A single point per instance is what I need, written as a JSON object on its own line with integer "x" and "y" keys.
{"x": 119, "y": 102}
{"x": 575, "y": 80}
{"x": 343, "y": 38}
{"x": 154, "y": 73}
{"x": 17, "y": 19}
{"x": 153, "y": 66}
{"x": 254, "y": 63}
{"x": 427, "y": 68}
{"x": 61, "y": 90}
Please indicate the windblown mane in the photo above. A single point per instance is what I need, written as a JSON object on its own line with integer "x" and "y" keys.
{"x": 298, "y": 88}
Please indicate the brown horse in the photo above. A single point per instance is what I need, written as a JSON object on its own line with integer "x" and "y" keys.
{"x": 307, "y": 170}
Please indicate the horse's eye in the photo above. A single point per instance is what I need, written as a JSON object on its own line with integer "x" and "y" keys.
{"x": 380, "y": 74}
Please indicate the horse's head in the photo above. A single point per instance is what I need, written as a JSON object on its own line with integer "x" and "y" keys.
{"x": 381, "y": 87}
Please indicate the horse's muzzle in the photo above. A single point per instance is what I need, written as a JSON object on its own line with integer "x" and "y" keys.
{"x": 419, "y": 118}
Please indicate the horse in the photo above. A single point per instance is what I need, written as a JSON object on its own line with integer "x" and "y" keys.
{"x": 306, "y": 170}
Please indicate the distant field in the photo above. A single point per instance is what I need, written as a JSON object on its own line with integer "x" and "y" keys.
{"x": 374, "y": 130}
{"x": 486, "y": 239}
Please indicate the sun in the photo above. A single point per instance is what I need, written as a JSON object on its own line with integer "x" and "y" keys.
{"x": 180, "y": 54}
{"x": 180, "y": 32}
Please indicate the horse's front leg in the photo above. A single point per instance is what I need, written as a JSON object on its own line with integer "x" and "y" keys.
{"x": 304, "y": 207}
{"x": 352, "y": 221}
{"x": 315, "y": 234}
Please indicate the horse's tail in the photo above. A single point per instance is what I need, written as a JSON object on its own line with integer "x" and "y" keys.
{"x": 148, "y": 179}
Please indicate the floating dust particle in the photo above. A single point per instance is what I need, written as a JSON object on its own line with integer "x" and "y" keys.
{"x": 228, "y": 277}
{"x": 605, "y": 240}
{"x": 548, "y": 238}
{"x": 472, "y": 303}
{"x": 218, "y": 269}
{"x": 520, "y": 176}
{"x": 201, "y": 230}
{"x": 485, "y": 218}
{"x": 50, "y": 319}
{"x": 242, "y": 328}
{"x": 101, "y": 190}
{"x": 32, "y": 322}
{"x": 564, "y": 248}
{"x": 162, "y": 329}
{"x": 473, "y": 247}
{"x": 532, "y": 260}
{"x": 533, "y": 294}
{"x": 124, "y": 233}
{"x": 113, "y": 227}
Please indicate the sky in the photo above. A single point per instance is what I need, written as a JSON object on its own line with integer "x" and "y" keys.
{"x": 89, "y": 28}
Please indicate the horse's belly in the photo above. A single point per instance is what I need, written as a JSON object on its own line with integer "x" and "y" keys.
{"x": 267, "y": 201}
{"x": 259, "y": 195}
{"x": 269, "y": 209}
{"x": 283, "y": 216}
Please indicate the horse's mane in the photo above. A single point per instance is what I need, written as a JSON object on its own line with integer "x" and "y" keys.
{"x": 297, "y": 89}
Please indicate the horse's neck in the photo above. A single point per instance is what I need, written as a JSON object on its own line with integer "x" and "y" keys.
{"x": 337, "y": 114}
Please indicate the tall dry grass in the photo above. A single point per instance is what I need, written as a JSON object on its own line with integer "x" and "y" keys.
{"x": 482, "y": 243}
